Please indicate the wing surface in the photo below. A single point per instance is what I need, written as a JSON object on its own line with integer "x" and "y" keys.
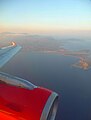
{"x": 6, "y": 53}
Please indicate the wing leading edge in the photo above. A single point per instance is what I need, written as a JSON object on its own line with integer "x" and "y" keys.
{"x": 6, "y": 53}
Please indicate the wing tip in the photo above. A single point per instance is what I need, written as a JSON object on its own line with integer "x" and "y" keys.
{"x": 13, "y": 43}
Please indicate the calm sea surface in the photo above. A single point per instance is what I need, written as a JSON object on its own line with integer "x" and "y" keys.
{"x": 56, "y": 72}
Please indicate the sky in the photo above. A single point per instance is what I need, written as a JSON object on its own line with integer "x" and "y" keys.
{"x": 46, "y": 16}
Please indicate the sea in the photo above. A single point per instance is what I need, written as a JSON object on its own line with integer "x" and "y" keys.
{"x": 55, "y": 71}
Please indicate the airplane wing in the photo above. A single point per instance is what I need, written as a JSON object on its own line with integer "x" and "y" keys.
{"x": 6, "y": 53}
{"x": 19, "y": 98}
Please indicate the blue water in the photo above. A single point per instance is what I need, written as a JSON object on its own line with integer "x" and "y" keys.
{"x": 56, "y": 72}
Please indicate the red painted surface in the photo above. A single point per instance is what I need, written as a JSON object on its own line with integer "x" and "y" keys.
{"x": 22, "y": 104}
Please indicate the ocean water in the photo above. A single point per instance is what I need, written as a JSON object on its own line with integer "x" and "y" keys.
{"x": 55, "y": 72}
